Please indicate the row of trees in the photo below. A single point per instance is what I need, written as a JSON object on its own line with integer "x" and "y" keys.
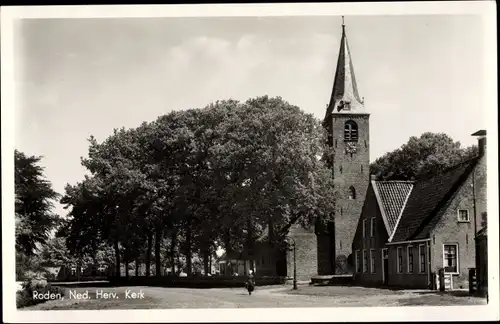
{"x": 197, "y": 179}
{"x": 194, "y": 180}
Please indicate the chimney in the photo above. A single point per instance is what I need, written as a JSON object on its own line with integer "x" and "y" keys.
{"x": 481, "y": 141}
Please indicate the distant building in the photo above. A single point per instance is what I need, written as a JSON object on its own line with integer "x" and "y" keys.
{"x": 409, "y": 230}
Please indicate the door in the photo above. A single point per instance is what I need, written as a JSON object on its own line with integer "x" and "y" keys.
{"x": 385, "y": 266}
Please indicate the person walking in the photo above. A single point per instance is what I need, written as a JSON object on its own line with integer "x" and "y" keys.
{"x": 250, "y": 283}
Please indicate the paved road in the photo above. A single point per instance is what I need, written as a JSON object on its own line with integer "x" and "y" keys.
{"x": 164, "y": 298}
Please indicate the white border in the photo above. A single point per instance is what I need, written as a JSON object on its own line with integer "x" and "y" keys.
{"x": 484, "y": 8}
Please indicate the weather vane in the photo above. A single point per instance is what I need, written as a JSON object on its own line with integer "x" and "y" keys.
{"x": 343, "y": 21}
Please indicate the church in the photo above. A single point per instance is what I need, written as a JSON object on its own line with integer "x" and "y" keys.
{"x": 326, "y": 251}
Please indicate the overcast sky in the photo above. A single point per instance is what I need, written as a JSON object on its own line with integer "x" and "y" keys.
{"x": 77, "y": 77}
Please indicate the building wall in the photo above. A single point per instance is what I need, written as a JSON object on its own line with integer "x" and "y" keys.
{"x": 370, "y": 243}
{"x": 482, "y": 265}
{"x": 306, "y": 253}
{"x": 349, "y": 170}
{"x": 407, "y": 279}
{"x": 450, "y": 231}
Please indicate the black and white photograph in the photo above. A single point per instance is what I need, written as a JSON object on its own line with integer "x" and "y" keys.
{"x": 271, "y": 162}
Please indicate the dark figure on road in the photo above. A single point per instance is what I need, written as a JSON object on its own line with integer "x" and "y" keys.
{"x": 250, "y": 283}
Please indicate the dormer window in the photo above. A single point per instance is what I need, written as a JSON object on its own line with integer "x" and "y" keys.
{"x": 351, "y": 131}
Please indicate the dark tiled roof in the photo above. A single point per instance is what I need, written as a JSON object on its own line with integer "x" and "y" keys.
{"x": 392, "y": 196}
{"x": 427, "y": 199}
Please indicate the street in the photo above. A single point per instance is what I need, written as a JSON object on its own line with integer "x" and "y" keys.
{"x": 93, "y": 298}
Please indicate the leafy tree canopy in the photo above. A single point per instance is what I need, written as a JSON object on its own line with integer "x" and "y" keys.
{"x": 427, "y": 154}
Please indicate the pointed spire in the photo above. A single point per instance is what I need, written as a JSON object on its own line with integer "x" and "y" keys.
{"x": 345, "y": 97}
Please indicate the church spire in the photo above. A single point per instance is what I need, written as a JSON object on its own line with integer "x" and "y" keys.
{"x": 345, "y": 97}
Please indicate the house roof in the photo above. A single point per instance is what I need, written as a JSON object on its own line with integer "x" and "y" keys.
{"x": 428, "y": 200}
{"x": 392, "y": 197}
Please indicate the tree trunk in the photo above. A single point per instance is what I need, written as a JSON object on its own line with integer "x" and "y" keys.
{"x": 148, "y": 254}
{"x": 210, "y": 263}
{"x": 188, "y": 248}
{"x": 172, "y": 250}
{"x": 137, "y": 265}
{"x": 117, "y": 255}
{"x": 127, "y": 262}
{"x": 206, "y": 256}
{"x": 157, "y": 251}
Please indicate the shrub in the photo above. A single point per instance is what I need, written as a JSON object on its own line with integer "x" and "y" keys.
{"x": 25, "y": 296}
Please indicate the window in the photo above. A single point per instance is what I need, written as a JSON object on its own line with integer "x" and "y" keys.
{"x": 364, "y": 228}
{"x": 410, "y": 258}
{"x": 372, "y": 227}
{"x": 351, "y": 131}
{"x": 352, "y": 193}
{"x": 358, "y": 262}
{"x": 421, "y": 257}
{"x": 372, "y": 261}
{"x": 450, "y": 261}
{"x": 365, "y": 261}
{"x": 400, "y": 259}
{"x": 463, "y": 215}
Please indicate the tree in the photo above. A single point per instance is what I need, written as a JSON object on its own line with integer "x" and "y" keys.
{"x": 428, "y": 154}
{"x": 33, "y": 204}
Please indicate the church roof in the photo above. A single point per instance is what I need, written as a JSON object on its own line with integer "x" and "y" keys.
{"x": 345, "y": 98}
{"x": 392, "y": 197}
{"x": 428, "y": 201}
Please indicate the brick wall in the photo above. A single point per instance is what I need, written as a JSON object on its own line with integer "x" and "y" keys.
{"x": 368, "y": 243}
{"x": 407, "y": 279}
{"x": 306, "y": 252}
{"x": 349, "y": 170}
{"x": 450, "y": 231}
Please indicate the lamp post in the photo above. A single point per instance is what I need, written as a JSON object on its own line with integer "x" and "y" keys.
{"x": 294, "y": 263}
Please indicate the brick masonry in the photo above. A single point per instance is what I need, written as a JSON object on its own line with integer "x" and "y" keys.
{"x": 372, "y": 244}
{"x": 348, "y": 170}
{"x": 306, "y": 253}
{"x": 447, "y": 231}
{"x": 450, "y": 231}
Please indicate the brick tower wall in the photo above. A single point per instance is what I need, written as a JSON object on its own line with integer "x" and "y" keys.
{"x": 349, "y": 170}
{"x": 306, "y": 252}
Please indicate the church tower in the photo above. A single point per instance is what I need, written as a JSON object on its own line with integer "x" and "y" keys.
{"x": 347, "y": 123}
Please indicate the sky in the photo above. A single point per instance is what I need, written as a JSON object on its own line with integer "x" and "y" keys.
{"x": 80, "y": 77}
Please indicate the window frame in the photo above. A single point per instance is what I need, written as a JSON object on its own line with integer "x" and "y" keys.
{"x": 460, "y": 220}
{"x": 372, "y": 261}
{"x": 408, "y": 269}
{"x": 350, "y": 128}
{"x": 365, "y": 261}
{"x": 399, "y": 254}
{"x": 357, "y": 261}
{"x": 352, "y": 193}
{"x": 372, "y": 227}
{"x": 456, "y": 257}
{"x": 420, "y": 246}
{"x": 364, "y": 227}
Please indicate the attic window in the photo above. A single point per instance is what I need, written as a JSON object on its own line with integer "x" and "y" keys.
{"x": 463, "y": 216}
{"x": 351, "y": 131}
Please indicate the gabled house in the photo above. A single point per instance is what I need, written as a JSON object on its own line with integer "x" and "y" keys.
{"x": 384, "y": 203}
{"x": 408, "y": 232}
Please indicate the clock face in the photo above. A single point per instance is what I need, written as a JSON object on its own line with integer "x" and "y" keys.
{"x": 351, "y": 147}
